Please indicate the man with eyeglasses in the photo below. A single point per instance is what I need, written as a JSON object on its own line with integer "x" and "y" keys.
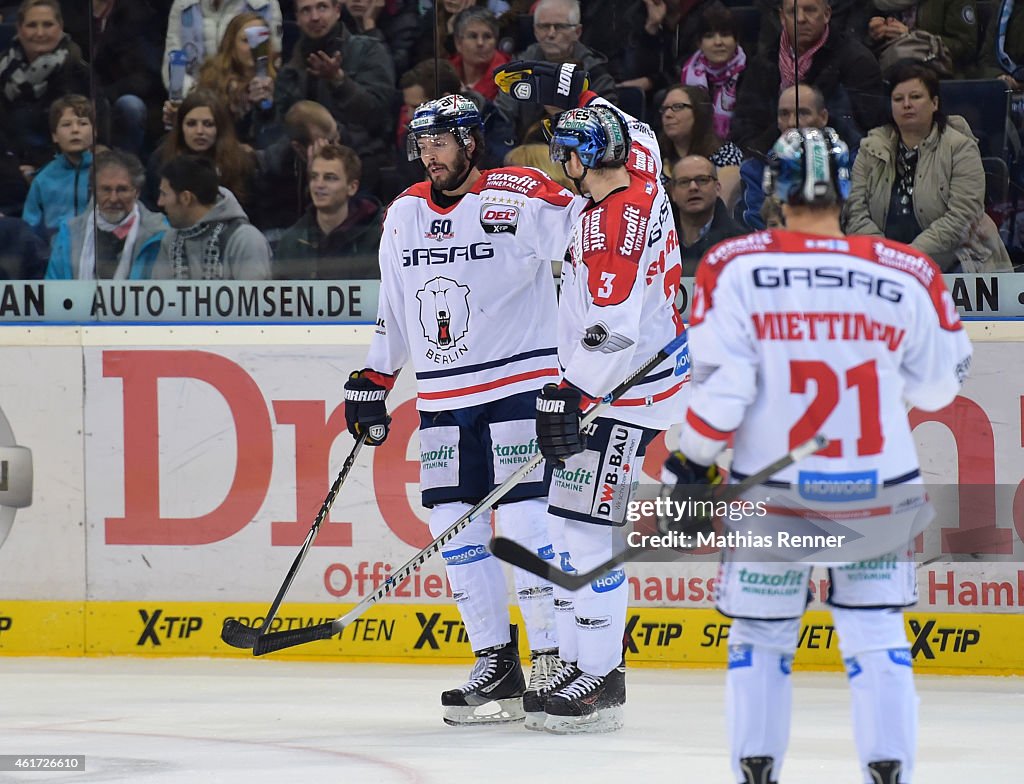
{"x": 556, "y": 23}
{"x": 704, "y": 219}
{"x": 116, "y": 237}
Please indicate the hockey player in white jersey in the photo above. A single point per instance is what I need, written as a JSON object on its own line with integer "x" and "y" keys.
{"x": 468, "y": 299}
{"x": 616, "y": 310}
{"x": 798, "y": 331}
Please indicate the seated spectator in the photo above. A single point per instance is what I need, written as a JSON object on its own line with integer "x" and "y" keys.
{"x": 203, "y": 126}
{"x": 813, "y": 114}
{"x": 717, "y": 65}
{"x": 631, "y": 34}
{"x": 210, "y": 236}
{"x": 351, "y": 75}
{"x": 556, "y": 24}
{"x": 41, "y": 65}
{"x": 396, "y": 24}
{"x": 22, "y": 251}
{"x": 704, "y": 219}
{"x": 954, "y": 22}
{"x": 840, "y": 66}
{"x": 121, "y": 43}
{"x": 116, "y": 238}
{"x": 686, "y": 129}
{"x": 919, "y": 180}
{"x": 231, "y": 74}
{"x": 476, "y": 43}
{"x": 197, "y": 26}
{"x": 60, "y": 190}
{"x": 339, "y": 236}
{"x": 283, "y": 184}
{"x": 1002, "y": 54}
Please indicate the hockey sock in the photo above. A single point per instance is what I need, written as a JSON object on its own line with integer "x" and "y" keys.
{"x": 759, "y": 690}
{"x": 884, "y": 703}
{"x": 601, "y": 605}
{"x": 475, "y": 576}
{"x": 527, "y": 523}
{"x": 565, "y": 607}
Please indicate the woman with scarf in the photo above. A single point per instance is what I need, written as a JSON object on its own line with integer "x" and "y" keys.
{"x": 717, "y": 65}
{"x": 41, "y": 65}
{"x": 919, "y": 180}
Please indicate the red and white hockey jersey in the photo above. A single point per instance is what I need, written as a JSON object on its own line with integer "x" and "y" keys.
{"x": 466, "y": 291}
{"x": 793, "y": 334}
{"x": 617, "y": 306}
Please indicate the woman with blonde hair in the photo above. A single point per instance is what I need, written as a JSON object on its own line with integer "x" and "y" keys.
{"x": 245, "y": 86}
{"x": 203, "y": 126}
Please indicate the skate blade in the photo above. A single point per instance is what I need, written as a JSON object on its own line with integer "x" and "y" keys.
{"x": 604, "y": 720}
{"x": 505, "y": 711}
{"x": 535, "y": 720}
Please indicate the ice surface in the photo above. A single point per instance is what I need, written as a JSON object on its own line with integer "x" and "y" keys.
{"x": 156, "y": 721}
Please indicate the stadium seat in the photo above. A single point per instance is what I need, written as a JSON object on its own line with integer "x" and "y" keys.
{"x": 985, "y": 104}
{"x": 748, "y": 27}
{"x": 997, "y": 181}
{"x": 289, "y": 37}
{"x": 7, "y": 33}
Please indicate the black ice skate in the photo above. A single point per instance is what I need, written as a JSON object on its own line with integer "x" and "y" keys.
{"x": 587, "y": 703}
{"x": 494, "y": 692}
{"x": 548, "y": 673}
{"x": 757, "y": 770}
{"x": 884, "y": 772}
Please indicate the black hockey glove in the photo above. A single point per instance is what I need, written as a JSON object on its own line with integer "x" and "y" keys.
{"x": 558, "y": 423}
{"x": 365, "y": 410}
{"x": 549, "y": 84}
{"x": 689, "y": 490}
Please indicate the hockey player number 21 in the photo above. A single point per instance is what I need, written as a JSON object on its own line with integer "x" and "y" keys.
{"x": 863, "y": 378}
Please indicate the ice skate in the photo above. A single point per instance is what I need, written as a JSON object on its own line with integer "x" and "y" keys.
{"x": 587, "y": 703}
{"x": 548, "y": 673}
{"x": 757, "y": 770}
{"x": 494, "y": 692}
{"x": 884, "y": 772}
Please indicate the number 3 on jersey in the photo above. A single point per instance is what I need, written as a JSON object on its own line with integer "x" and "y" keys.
{"x": 863, "y": 378}
{"x": 607, "y": 285}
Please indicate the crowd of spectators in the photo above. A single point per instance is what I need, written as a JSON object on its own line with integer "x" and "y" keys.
{"x": 262, "y": 139}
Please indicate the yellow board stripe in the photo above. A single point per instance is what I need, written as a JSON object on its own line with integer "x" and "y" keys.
{"x": 955, "y": 643}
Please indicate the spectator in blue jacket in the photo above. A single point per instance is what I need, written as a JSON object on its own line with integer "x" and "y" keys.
{"x": 60, "y": 190}
{"x": 117, "y": 238}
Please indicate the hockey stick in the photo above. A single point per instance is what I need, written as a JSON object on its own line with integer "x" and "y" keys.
{"x": 277, "y": 641}
{"x": 517, "y": 555}
{"x": 242, "y": 635}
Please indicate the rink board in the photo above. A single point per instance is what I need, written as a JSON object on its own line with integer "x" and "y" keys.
{"x": 979, "y": 643}
{"x": 176, "y": 472}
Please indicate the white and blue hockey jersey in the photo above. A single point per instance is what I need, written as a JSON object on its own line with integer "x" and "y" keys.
{"x": 467, "y": 295}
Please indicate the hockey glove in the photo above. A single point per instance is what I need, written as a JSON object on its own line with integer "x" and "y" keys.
{"x": 689, "y": 489}
{"x": 558, "y": 423}
{"x": 365, "y": 410}
{"x": 550, "y": 84}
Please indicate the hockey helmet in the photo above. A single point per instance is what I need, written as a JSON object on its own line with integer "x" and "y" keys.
{"x": 597, "y": 134}
{"x": 453, "y": 114}
{"x": 808, "y": 166}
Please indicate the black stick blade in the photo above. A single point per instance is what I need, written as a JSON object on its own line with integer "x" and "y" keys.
{"x": 276, "y": 641}
{"x": 238, "y": 635}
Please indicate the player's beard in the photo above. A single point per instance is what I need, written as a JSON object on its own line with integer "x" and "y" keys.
{"x": 450, "y": 180}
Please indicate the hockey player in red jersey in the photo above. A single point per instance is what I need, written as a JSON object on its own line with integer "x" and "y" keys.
{"x": 616, "y": 309}
{"x": 800, "y": 331}
{"x": 467, "y": 297}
